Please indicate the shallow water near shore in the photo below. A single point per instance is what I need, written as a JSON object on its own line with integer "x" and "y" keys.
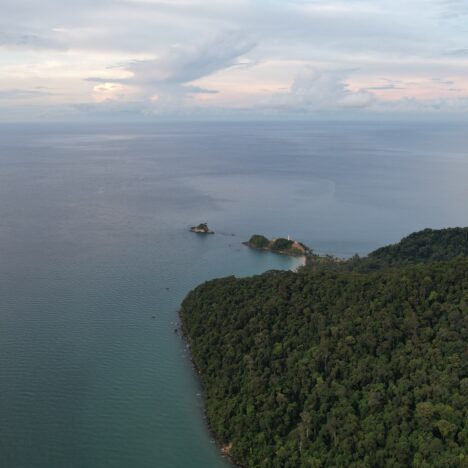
{"x": 96, "y": 258}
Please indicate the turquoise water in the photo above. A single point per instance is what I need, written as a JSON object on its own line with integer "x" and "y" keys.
{"x": 95, "y": 258}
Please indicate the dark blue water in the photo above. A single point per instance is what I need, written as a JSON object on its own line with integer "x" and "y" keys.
{"x": 94, "y": 244}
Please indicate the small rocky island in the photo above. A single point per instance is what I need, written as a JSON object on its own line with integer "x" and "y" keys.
{"x": 202, "y": 228}
{"x": 280, "y": 245}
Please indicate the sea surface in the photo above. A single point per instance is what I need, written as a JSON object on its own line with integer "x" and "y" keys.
{"x": 96, "y": 257}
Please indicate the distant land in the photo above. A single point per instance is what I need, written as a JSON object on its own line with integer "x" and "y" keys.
{"x": 359, "y": 363}
{"x": 280, "y": 245}
{"x": 201, "y": 228}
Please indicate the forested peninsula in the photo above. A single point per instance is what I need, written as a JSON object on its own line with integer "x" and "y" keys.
{"x": 279, "y": 245}
{"x": 358, "y": 363}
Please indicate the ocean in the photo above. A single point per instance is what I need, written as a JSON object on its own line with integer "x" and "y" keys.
{"x": 96, "y": 257}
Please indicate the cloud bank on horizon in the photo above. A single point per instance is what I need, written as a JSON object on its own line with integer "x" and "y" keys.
{"x": 241, "y": 59}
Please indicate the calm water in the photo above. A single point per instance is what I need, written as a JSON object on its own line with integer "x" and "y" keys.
{"x": 94, "y": 244}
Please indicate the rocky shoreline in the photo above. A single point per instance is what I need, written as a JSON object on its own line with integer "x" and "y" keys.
{"x": 201, "y": 228}
{"x": 223, "y": 448}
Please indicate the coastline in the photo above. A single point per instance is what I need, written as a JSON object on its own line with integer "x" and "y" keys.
{"x": 278, "y": 252}
{"x": 300, "y": 261}
{"x": 188, "y": 344}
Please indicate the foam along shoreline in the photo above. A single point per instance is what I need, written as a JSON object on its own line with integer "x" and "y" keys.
{"x": 299, "y": 263}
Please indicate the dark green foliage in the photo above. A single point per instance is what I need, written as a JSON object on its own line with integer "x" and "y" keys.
{"x": 259, "y": 242}
{"x": 281, "y": 244}
{"x": 337, "y": 368}
{"x": 425, "y": 246}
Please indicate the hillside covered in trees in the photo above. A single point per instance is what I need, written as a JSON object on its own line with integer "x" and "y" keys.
{"x": 345, "y": 366}
{"x": 280, "y": 245}
{"x": 423, "y": 246}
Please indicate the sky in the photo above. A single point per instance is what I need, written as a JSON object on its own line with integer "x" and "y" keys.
{"x": 233, "y": 59}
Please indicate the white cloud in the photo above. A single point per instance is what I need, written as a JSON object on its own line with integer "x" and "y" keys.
{"x": 206, "y": 54}
{"x": 23, "y": 94}
{"x": 169, "y": 76}
{"x": 30, "y": 40}
{"x": 182, "y": 64}
{"x": 357, "y": 99}
{"x": 316, "y": 90}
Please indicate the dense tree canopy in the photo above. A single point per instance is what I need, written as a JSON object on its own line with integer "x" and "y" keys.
{"x": 338, "y": 367}
{"x": 258, "y": 241}
{"x": 424, "y": 246}
{"x": 278, "y": 245}
{"x": 420, "y": 247}
{"x": 281, "y": 244}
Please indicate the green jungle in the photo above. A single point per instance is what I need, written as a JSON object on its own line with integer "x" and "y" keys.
{"x": 359, "y": 363}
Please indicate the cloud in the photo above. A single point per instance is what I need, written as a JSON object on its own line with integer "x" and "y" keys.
{"x": 97, "y": 79}
{"x": 316, "y": 90}
{"x": 29, "y": 41}
{"x": 442, "y": 81}
{"x": 8, "y": 94}
{"x": 110, "y": 109}
{"x": 458, "y": 53}
{"x": 199, "y": 90}
{"x": 186, "y": 56}
{"x": 181, "y": 64}
{"x": 167, "y": 79}
{"x": 426, "y": 107}
{"x": 453, "y": 8}
{"x": 357, "y": 99}
{"x": 386, "y": 87}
